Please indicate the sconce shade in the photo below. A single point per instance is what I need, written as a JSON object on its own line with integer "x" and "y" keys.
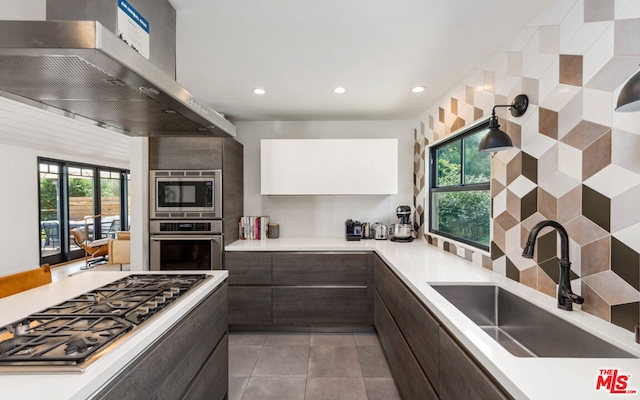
{"x": 629, "y": 98}
{"x": 495, "y": 139}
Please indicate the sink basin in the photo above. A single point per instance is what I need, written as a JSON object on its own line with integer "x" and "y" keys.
{"x": 522, "y": 328}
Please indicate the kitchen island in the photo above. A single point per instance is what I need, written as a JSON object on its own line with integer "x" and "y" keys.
{"x": 418, "y": 264}
{"x": 118, "y": 360}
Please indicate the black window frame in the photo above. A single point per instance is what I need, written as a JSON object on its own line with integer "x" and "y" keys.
{"x": 66, "y": 254}
{"x": 462, "y": 187}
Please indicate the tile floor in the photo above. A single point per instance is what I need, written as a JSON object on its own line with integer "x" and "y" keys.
{"x": 308, "y": 366}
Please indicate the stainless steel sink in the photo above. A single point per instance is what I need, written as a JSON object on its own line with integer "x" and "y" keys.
{"x": 523, "y": 328}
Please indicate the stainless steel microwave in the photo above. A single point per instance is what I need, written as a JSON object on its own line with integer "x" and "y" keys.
{"x": 185, "y": 194}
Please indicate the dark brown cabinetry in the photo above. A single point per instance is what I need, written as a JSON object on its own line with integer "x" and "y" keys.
{"x": 300, "y": 289}
{"x": 207, "y": 153}
{"x": 190, "y": 358}
{"x": 417, "y": 346}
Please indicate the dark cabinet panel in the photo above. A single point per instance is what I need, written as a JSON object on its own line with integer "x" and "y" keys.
{"x": 418, "y": 327}
{"x": 408, "y": 375}
{"x": 166, "y": 370}
{"x": 311, "y": 305}
{"x": 248, "y": 268}
{"x": 232, "y": 188}
{"x": 212, "y": 382}
{"x": 250, "y": 305}
{"x": 185, "y": 153}
{"x": 460, "y": 377}
{"x": 319, "y": 269}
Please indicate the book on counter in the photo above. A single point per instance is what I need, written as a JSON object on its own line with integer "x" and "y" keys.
{"x": 254, "y": 228}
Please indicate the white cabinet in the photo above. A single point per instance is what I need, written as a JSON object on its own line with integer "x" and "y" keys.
{"x": 329, "y": 166}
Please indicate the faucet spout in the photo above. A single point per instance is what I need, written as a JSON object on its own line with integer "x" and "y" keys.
{"x": 566, "y": 297}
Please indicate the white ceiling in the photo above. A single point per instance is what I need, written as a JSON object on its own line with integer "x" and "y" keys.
{"x": 300, "y": 50}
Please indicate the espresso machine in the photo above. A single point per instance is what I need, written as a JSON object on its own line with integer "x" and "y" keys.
{"x": 403, "y": 231}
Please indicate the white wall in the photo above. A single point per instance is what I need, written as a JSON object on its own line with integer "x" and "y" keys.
{"x": 324, "y": 216}
{"x": 27, "y": 133}
{"x": 25, "y": 10}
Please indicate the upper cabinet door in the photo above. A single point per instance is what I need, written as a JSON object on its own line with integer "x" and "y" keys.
{"x": 329, "y": 166}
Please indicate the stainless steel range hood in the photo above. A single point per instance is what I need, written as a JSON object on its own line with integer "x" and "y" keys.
{"x": 82, "y": 70}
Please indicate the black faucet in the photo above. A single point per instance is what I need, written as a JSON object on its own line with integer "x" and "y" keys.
{"x": 566, "y": 297}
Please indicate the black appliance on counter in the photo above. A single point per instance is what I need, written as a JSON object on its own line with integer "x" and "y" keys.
{"x": 354, "y": 230}
{"x": 66, "y": 337}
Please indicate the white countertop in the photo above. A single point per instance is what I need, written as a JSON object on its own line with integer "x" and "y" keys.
{"x": 546, "y": 378}
{"x": 81, "y": 385}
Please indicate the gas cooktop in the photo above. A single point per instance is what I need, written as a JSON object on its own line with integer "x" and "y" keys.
{"x": 63, "y": 337}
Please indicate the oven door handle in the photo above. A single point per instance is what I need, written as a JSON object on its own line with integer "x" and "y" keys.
{"x": 213, "y": 238}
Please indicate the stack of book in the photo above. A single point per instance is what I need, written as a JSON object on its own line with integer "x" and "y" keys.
{"x": 254, "y": 228}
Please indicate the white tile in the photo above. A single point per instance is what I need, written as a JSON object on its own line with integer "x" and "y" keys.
{"x": 598, "y": 54}
{"x": 575, "y": 255}
{"x": 529, "y": 127}
{"x": 630, "y": 236}
{"x": 531, "y": 51}
{"x": 571, "y": 23}
{"x": 538, "y": 145}
{"x": 629, "y": 121}
{"x": 492, "y": 62}
{"x": 559, "y": 97}
{"x": 596, "y": 106}
{"x": 625, "y": 210}
{"x": 625, "y": 148}
{"x": 500, "y": 203}
{"x": 522, "y": 39}
{"x": 500, "y": 266}
{"x": 613, "y": 180}
{"x": 539, "y": 18}
{"x": 507, "y": 85}
{"x": 521, "y": 186}
{"x": 548, "y": 163}
{"x": 488, "y": 81}
{"x": 626, "y": 9}
{"x": 558, "y": 12}
{"x": 514, "y": 249}
{"x": 499, "y": 171}
{"x": 549, "y": 80}
{"x": 538, "y": 66}
{"x": 500, "y": 72}
{"x": 558, "y": 184}
{"x": 549, "y": 42}
{"x": 570, "y": 114}
{"x": 584, "y": 38}
{"x": 570, "y": 161}
{"x": 514, "y": 63}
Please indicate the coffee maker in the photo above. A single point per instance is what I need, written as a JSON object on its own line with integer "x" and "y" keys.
{"x": 403, "y": 231}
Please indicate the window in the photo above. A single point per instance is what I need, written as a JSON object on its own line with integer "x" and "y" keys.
{"x": 459, "y": 190}
{"x": 69, "y": 192}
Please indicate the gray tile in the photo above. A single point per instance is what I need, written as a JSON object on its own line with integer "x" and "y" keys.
{"x": 373, "y": 362}
{"x": 332, "y": 339}
{"x": 245, "y": 339}
{"x": 334, "y": 361}
{"x": 280, "y": 361}
{"x": 336, "y": 389}
{"x": 237, "y": 386}
{"x": 366, "y": 339}
{"x": 242, "y": 359}
{"x": 275, "y": 389}
{"x": 381, "y": 389}
{"x": 287, "y": 338}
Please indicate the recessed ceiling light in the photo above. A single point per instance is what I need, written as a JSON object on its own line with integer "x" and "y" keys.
{"x": 259, "y": 91}
{"x": 339, "y": 90}
{"x": 418, "y": 89}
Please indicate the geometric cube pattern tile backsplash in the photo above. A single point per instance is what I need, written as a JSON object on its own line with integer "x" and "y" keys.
{"x": 575, "y": 160}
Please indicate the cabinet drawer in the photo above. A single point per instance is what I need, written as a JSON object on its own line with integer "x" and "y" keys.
{"x": 211, "y": 382}
{"x": 320, "y": 269}
{"x": 248, "y": 268}
{"x": 249, "y": 305}
{"x": 406, "y": 371}
{"x": 319, "y": 305}
{"x": 460, "y": 377}
{"x": 418, "y": 327}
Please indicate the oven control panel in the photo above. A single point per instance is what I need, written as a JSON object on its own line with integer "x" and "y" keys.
{"x": 159, "y": 227}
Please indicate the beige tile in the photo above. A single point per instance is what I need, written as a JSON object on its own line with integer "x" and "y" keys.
{"x": 454, "y": 105}
{"x": 381, "y": 389}
{"x": 468, "y": 94}
{"x": 270, "y": 363}
{"x": 583, "y": 231}
{"x": 441, "y": 114}
{"x": 596, "y": 156}
{"x": 529, "y": 277}
{"x": 513, "y": 205}
{"x": 626, "y": 34}
{"x": 584, "y": 134}
{"x": 514, "y": 168}
{"x": 487, "y": 263}
{"x": 335, "y": 389}
{"x": 549, "y": 39}
{"x": 548, "y": 122}
{"x": 506, "y": 221}
{"x": 496, "y": 187}
{"x": 616, "y": 72}
{"x": 612, "y": 288}
{"x": 477, "y": 113}
{"x": 515, "y": 133}
{"x": 489, "y": 81}
{"x": 546, "y": 285}
{"x": 595, "y": 257}
{"x": 570, "y": 205}
{"x": 598, "y": 10}
{"x": 571, "y": 69}
{"x": 547, "y": 205}
{"x": 594, "y": 304}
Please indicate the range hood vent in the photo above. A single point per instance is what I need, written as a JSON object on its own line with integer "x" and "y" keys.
{"x": 81, "y": 70}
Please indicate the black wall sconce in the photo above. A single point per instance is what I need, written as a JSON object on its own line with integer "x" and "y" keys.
{"x": 629, "y": 98}
{"x": 495, "y": 139}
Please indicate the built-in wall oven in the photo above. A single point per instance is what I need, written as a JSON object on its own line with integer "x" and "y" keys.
{"x": 185, "y": 194}
{"x": 185, "y": 245}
